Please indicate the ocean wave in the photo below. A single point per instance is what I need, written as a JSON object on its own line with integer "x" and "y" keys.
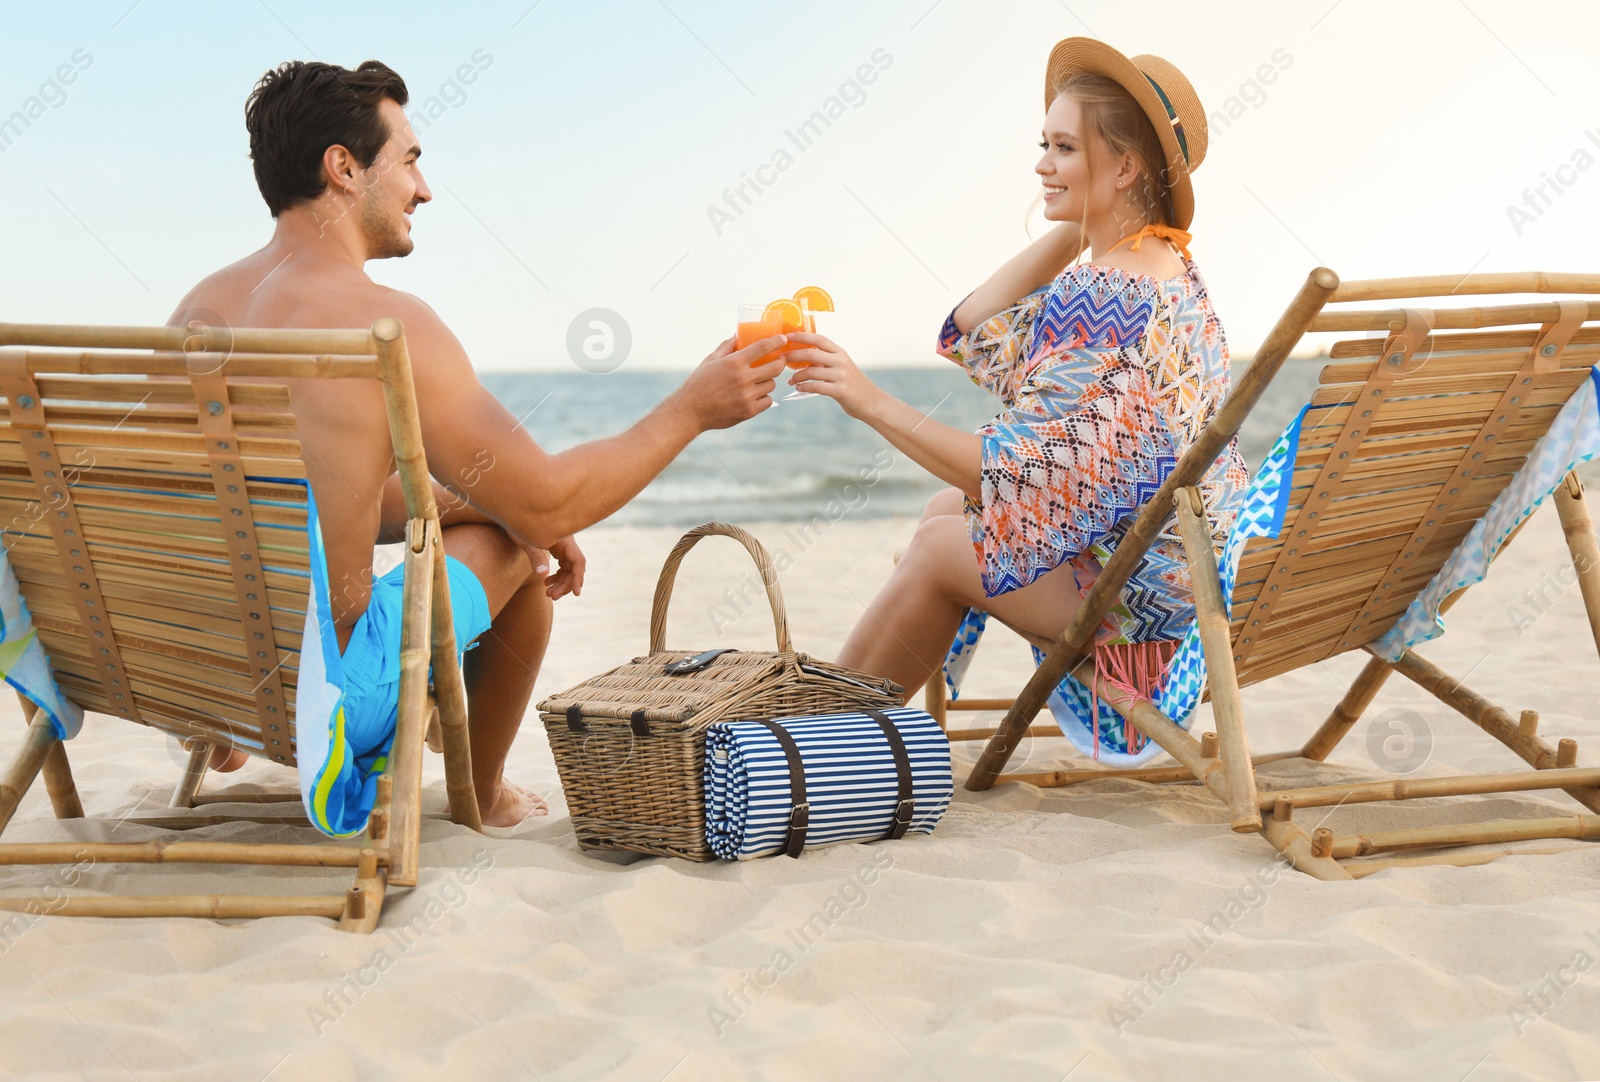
{"x": 809, "y": 489}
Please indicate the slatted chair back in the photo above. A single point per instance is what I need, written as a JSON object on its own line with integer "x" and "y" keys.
{"x": 153, "y": 501}
{"x": 1412, "y": 432}
{"x": 1409, "y": 439}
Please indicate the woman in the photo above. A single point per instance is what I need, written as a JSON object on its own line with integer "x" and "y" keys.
{"x": 1107, "y": 370}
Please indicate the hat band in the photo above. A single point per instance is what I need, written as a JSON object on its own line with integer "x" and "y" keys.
{"x": 1172, "y": 116}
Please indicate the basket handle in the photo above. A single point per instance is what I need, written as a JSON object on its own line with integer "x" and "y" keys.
{"x": 669, "y": 574}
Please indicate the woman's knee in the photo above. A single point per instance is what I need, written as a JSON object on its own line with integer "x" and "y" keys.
{"x": 940, "y": 555}
{"x": 947, "y": 501}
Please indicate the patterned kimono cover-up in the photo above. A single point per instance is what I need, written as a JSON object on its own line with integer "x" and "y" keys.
{"x": 1106, "y": 377}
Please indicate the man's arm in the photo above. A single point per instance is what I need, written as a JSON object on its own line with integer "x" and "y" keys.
{"x": 453, "y": 510}
{"x": 477, "y": 449}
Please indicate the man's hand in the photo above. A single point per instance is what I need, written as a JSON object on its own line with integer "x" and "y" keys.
{"x": 730, "y": 385}
{"x": 569, "y": 579}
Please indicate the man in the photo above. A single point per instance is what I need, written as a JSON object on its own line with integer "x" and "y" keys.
{"x": 336, "y": 162}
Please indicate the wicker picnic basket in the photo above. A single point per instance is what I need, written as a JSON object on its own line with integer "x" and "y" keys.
{"x": 630, "y": 743}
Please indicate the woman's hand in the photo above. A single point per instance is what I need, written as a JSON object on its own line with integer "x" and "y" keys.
{"x": 953, "y": 456}
{"x": 831, "y": 372}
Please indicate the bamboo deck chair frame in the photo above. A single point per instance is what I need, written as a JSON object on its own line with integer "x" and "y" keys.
{"x": 189, "y": 642}
{"x": 1521, "y": 378}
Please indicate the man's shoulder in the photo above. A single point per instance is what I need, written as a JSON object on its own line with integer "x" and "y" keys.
{"x": 414, "y": 313}
{"x": 208, "y": 297}
{"x": 366, "y": 303}
{"x": 359, "y": 302}
{"x": 254, "y": 292}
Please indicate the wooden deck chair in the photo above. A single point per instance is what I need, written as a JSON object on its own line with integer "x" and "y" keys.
{"x": 1418, "y": 430}
{"x": 161, "y": 545}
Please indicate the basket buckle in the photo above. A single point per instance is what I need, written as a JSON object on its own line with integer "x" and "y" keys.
{"x": 695, "y": 663}
{"x": 903, "y": 812}
{"x": 800, "y": 816}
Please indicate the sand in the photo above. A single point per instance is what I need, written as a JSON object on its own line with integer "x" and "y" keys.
{"x": 1113, "y": 931}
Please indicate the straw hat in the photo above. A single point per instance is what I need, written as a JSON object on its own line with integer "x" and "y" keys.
{"x": 1164, "y": 94}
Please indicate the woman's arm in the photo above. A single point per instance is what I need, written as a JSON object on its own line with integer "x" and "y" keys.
{"x": 953, "y": 456}
{"x": 1034, "y": 266}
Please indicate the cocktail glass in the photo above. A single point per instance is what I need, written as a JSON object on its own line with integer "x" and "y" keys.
{"x": 808, "y": 320}
{"x": 753, "y": 326}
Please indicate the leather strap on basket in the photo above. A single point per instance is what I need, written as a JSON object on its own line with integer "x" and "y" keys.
{"x": 637, "y": 722}
{"x": 1544, "y": 359}
{"x": 244, "y": 555}
{"x": 1397, "y": 359}
{"x": 800, "y": 808}
{"x": 72, "y": 550}
{"x": 906, "y": 806}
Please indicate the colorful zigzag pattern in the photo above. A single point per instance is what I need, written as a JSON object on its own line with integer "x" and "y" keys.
{"x": 1106, "y": 377}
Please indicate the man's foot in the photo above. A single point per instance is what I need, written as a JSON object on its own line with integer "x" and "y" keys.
{"x": 511, "y": 805}
{"x": 224, "y": 760}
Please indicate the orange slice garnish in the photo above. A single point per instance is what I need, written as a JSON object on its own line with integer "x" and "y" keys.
{"x": 814, "y": 298}
{"x": 785, "y": 312}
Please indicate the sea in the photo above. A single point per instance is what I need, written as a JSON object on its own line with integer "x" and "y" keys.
{"x": 801, "y": 458}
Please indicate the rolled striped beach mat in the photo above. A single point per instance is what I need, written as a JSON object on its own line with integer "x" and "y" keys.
{"x": 789, "y": 784}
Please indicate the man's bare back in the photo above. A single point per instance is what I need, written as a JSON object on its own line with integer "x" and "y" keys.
{"x": 341, "y": 423}
{"x": 353, "y": 202}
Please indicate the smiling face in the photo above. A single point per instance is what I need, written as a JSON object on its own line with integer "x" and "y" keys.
{"x": 391, "y": 188}
{"x": 1072, "y": 193}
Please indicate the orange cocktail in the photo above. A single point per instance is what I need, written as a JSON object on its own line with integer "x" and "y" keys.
{"x": 784, "y": 316}
{"x": 753, "y": 327}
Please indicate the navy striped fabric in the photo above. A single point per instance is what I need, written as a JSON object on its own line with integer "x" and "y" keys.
{"x": 851, "y": 783}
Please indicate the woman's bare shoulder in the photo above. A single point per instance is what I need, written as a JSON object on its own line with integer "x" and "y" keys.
{"x": 1152, "y": 261}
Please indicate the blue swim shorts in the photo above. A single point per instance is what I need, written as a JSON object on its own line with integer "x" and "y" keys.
{"x": 371, "y": 660}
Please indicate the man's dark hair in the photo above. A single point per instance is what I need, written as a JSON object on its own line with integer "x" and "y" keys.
{"x": 300, "y": 109}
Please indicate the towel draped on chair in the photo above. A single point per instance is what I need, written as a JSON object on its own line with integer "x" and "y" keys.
{"x": 23, "y": 662}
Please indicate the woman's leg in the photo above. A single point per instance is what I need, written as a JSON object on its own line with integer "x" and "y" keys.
{"x": 947, "y": 501}
{"x": 865, "y": 645}
{"x": 907, "y": 629}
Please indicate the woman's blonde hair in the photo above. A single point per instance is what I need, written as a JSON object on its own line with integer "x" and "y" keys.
{"x": 1112, "y": 119}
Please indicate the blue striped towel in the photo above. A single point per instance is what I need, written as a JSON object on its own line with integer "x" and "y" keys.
{"x": 23, "y": 662}
{"x": 850, "y": 779}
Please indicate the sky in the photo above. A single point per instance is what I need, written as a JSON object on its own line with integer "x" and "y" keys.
{"x": 585, "y": 155}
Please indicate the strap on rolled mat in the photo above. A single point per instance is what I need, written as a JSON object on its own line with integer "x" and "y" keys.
{"x": 906, "y": 807}
{"x": 800, "y": 813}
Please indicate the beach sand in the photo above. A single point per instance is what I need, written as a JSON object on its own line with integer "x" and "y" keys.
{"x": 1038, "y": 934}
